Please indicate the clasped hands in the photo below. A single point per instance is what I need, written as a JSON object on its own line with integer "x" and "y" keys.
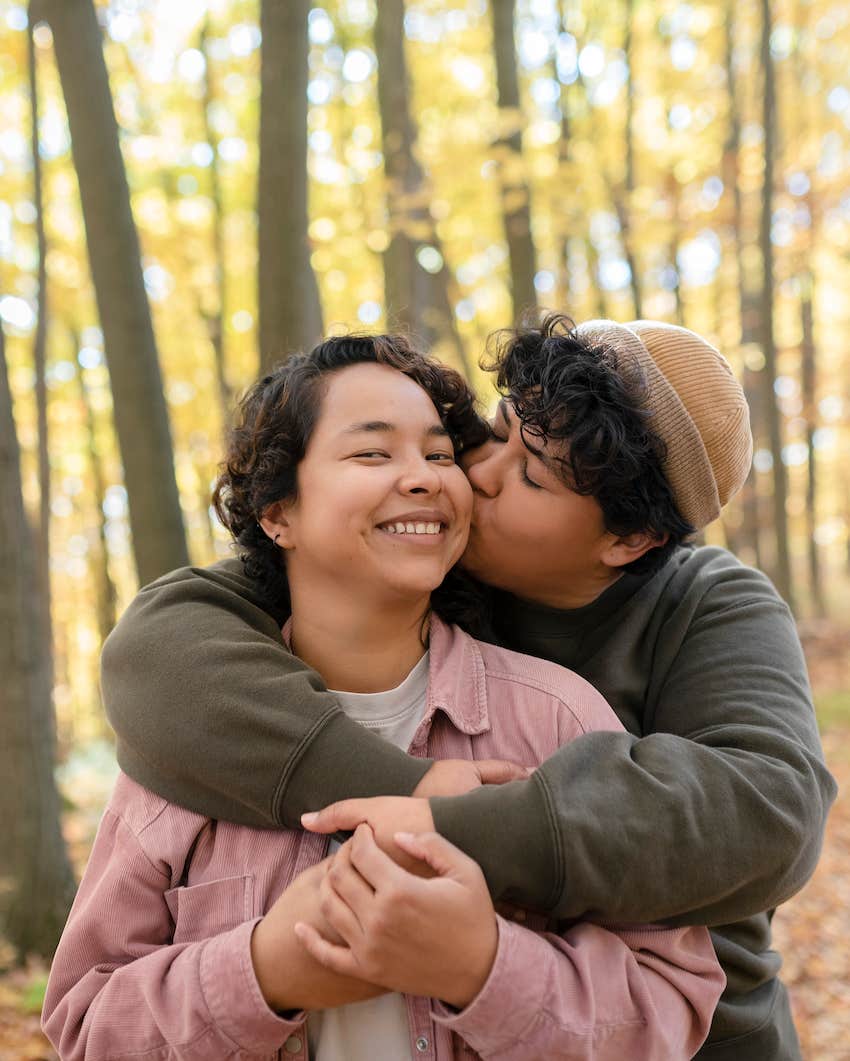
{"x": 359, "y": 923}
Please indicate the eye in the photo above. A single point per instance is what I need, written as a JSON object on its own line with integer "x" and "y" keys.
{"x": 371, "y": 454}
{"x": 526, "y": 480}
{"x": 441, "y": 456}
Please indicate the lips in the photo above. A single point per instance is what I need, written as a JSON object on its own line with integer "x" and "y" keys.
{"x": 425, "y": 523}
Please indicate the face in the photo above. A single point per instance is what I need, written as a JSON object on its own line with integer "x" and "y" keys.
{"x": 382, "y": 507}
{"x": 531, "y": 534}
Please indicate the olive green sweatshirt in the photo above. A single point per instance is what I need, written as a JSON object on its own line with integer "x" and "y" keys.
{"x": 709, "y": 809}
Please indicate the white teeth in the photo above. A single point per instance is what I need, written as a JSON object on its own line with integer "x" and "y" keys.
{"x": 413, "y": 528}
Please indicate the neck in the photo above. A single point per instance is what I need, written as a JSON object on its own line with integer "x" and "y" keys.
{"x": 578, "y": 594}
{"x": 358, "y": 646}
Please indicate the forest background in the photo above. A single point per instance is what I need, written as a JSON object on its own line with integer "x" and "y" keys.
{"x": 190, "y": 190}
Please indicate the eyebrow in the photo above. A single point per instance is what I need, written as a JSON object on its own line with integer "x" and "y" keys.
{"x": 549, "y": 462}
{"x": 384, "y": 427}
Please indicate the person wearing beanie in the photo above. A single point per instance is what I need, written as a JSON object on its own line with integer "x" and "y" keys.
{"x": 612, "y": 445}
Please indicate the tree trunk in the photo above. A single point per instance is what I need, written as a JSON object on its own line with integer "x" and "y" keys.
{"x": 40, "y": 340}
{"x": 214, "y": 318}
{"x": 38, "y": 886}
{"x": 774, "y": 420}
{"x": 623, "y": 197}
{"x": 516, "y": 194}
{"x": 289, "y": 305}
{"x": 809, "y": 389}
{"x": 141, "y": 417}
{"x": 417, "y": 298}
{"x": 747, "y": 299}
{"x": 106, "y": 596}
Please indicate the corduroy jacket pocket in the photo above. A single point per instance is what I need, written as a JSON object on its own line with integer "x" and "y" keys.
{"x": 203, "y": 910}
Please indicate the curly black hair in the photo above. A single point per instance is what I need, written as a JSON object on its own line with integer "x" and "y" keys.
{"x": 274, "y": 423}
{"x": 567, "y": 387}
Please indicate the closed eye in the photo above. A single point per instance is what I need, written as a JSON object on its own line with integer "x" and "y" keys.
{"x": 526, "y": 480}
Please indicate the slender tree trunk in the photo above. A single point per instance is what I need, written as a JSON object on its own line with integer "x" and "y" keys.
{"x": 40, "y": 340}
{"x": 215, "y": 317}
{"x": 141, "y": 417}
{"x": 808, "y": 349}
{"x": 290, "y": 309}
{"x": 809, "y": 380}
{"x": 418, "y": 298}
{"x": 38, "y": 885}
{"x": 774, "y": 420}
{"x": 747, "y": 299}
{"x": 623, "y": 197}
{"x": 106, "y": 596}
{"x": 516, "y": 194}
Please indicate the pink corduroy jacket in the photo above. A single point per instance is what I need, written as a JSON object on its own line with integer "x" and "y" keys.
{"x": 155, "y": 960}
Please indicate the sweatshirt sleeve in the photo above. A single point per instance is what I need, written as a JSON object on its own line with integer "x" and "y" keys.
{"x": 213, "y": 712}
{"x": 595, "y": 993}
{"x": 119, "y": 988}
{"x": 716, "y": 814}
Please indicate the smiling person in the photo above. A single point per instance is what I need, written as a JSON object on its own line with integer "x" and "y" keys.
{"x": 612, "y": 446}
{"x": 341, "y": 485}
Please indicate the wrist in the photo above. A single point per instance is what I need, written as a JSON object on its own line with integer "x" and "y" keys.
{"x": 475, "y": 971}
{"x": 268, "y": 969}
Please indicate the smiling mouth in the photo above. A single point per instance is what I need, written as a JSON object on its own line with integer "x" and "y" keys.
{"x": 411, "y": 530}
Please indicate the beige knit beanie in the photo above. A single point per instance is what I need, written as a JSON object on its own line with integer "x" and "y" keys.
{"x": 696, "y": 406}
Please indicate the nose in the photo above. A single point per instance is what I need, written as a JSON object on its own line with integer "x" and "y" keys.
{"x": 483, "y": 467}
{"x": 420, "y": 476}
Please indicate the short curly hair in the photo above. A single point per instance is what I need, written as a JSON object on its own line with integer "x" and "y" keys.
{"x": 565, "y": 387}
{"x": 274, "y": 423}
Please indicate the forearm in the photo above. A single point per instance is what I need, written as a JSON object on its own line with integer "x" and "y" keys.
{"x": 197, "y": 658}
{"x": 658, "y": 829}
{"x": 198, "y": 999}
{"x": 593, "y": 994}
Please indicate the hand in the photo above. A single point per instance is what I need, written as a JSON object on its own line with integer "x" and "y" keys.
{"x": 386, "y": 815}
{"x": 436, "y": 937}
{"x": 453, "y": 777}
{"x": 288, "y": 977}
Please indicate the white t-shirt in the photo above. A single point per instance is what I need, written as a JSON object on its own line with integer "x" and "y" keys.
{"x": 375, "y": 1030}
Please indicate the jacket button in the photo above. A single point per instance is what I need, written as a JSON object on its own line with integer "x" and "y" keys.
{"x": 422, "y": 1044}
{"x": 293, "y": 1044}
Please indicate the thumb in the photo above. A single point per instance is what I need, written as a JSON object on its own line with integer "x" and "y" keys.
{"x": 436, "y": 851}
{"x": 498, "y": 771}
{"x": 336, "y": 817}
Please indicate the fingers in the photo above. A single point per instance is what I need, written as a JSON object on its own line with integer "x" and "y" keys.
{"x": 343, "y": 816}
{"x": 441, "y": 855}
{"x": 499, "y": 771}
{"x": 332, "y": 956}
{"x": 375, "y": 867}
{"x": 345, "y": 897}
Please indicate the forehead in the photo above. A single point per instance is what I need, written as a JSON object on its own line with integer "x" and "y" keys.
{"x": 370, "y": 392}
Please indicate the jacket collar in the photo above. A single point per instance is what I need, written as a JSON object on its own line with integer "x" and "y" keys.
{"x": 456, "y": 678}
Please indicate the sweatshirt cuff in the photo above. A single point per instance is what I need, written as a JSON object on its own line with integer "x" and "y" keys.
{"x": 508, "y": 830}
{"x": 509, "y": 1002}
{"x": 340, "y": 759}
{"x": 234, "y": 998}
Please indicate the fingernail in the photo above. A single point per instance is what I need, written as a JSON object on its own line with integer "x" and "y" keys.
{"x": 404, "y": 837}
{"x": 310, "y": 818}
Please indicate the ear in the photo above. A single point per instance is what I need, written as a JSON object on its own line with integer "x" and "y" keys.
{"x": 276, "y": 523}
{"x": 623, "y": 550}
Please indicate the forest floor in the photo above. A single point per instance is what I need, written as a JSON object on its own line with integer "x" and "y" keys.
{"x": 811, "y": 931}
